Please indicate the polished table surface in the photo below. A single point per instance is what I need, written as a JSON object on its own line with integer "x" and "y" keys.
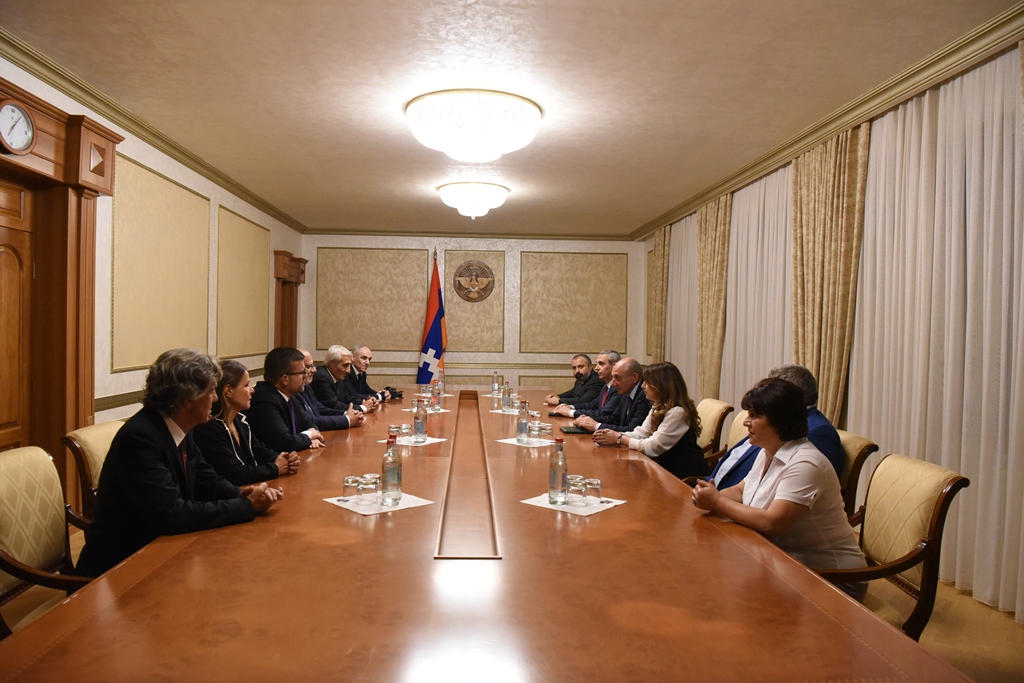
{"x": 650, "y": 590}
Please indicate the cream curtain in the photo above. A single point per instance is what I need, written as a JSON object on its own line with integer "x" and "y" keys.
{"x": 681, "y": 308}
{"x": 828, "y": 217}
{"x": 712, "y": 271}
{"x": 758, "y": 320}
{"x": 659, "y": 277}
{"x": 937, "y": 369}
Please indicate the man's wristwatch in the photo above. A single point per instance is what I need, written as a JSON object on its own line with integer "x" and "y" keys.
{"x": 618, "y": 441}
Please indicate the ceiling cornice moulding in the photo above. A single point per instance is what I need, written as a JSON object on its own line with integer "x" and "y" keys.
{"x": 30, "y": 60}
{"x": 468, "y": 235}
{"x": 984, "y": 42}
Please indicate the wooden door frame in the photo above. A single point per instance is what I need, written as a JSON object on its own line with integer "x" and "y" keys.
{"x": 70, "y": 165}
{"x": 289, "y": 273}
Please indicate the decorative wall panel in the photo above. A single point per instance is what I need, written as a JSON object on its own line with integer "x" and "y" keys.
{"x": 243, "y": 286}
{"x": 475, "y": 325}
{"x": 161, "y": 267}
{"x": 572, "y": 302}
{"x": 376, "y": 297}
{"x": 556, "y": 383}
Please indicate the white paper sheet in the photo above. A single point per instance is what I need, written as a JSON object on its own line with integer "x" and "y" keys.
{"x": 541, "y": 501}
{"x": 429, "y": 395}
{"x": 408, "y": 501}
{"x": 534, "y": 443}
{"x": 407, "y": 441}
{"x": 429, "y": 412}
{"x": 502, "y": 412}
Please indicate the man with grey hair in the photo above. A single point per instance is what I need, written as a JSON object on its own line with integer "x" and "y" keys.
{"x": 608, "y": 397}
{"x": 632, "y": 408}
{"x": 154, "y": 479}
{"x": 329, "y": 382}
{"x": 356, "y": 380}
{"x": 820, "y": 431}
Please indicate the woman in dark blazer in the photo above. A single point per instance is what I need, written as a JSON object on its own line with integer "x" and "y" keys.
{"x": 226, "y": 441}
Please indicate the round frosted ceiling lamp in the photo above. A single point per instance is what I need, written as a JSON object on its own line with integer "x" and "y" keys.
{"x": 473, "y": 199}
{"x": 473, "y": 125}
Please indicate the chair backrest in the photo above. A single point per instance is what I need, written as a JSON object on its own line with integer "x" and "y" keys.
{"x": 32, "y": 527}
{"x": 904, "y": 513}
{"x": 89, "y": 446}
{"x": 712, "y": 414}
{"x": 857, "y": 449}
{"x": 738, "y": 431}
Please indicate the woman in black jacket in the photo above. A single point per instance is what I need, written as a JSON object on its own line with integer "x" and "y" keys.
{"x": 226, "y": 441}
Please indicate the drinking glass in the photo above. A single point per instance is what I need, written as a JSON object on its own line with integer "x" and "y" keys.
{"x": 405, "y": 433}
{"x": 394, "y": 429}
{"x": 367, "y": 492}
{"x": 577, "y": 493}
{"x": 351, "y": 489}
{"x": 592, "y": 492}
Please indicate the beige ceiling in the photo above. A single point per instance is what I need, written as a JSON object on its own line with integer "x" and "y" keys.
{"x": 647, "y": 103}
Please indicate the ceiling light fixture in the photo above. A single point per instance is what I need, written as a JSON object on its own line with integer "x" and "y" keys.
{"x": 473, "y": 125}
{"x": 473, "y": 199}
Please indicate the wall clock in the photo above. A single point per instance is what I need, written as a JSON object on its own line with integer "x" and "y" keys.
{"x": 17, "y": 128}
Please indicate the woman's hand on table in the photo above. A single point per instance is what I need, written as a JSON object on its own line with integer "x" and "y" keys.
{"x": 606, "y": 437}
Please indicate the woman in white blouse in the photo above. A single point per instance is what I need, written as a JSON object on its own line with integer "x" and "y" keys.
{"x": 791, "y": 494}
{"x": 669, "y": 434}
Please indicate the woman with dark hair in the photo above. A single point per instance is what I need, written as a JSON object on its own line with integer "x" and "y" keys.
{"x": 791, "y": 494}
{"x": 227, "y": 442}
{"x": 669, "y": 434}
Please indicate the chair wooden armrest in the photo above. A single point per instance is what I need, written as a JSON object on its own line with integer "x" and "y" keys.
{"x": 77, "y": 520}
{"x": 691, "y": 481}
{"x": 857, "y": 517}
{"x": 878, "y": 571}
{"x": 63, "y": 582}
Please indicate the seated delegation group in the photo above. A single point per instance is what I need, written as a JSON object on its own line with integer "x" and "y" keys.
{"x": 200, "y": 451}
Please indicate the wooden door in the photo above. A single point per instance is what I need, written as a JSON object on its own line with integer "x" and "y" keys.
{"x": 15, "y": 319}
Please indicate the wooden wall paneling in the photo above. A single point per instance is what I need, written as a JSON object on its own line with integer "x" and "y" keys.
{"x": 58, "y": 206}
{"x": 15, "y": 347}
{"x": 289, "y": 273}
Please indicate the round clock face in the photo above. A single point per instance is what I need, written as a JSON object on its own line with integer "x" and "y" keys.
{"x": 16, "y": 127}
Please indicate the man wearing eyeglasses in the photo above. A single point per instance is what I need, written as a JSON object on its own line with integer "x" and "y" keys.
{"x": 273, "y": 416}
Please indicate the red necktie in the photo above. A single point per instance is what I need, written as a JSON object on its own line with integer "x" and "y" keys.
{"x": 604, "y": 395}
{"x": 184, "y": 459}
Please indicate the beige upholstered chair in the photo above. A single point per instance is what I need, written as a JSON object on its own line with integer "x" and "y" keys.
{"x": 33, "y": 531}
{"x": 89, "y": 446}
{"x": 857, "y": 450}
{"x": 737, "y": 432}
{"x": 903, "y": 517}
{"x": 712, "y": 414}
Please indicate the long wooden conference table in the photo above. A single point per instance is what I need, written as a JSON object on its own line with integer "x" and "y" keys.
{"x": 477, "y": 586}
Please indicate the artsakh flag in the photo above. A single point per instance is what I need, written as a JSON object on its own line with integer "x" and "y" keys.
{"x": 435, "y": 334}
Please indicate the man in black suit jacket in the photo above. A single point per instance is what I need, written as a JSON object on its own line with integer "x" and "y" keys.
{"x": 329, "y": 382}
{"x": 608, "y": 397}
{"x": 587, "y": 387}
{"x": 154, "y": 479}
{"x": 322, "y": 417}
{"x": 633, "y": 405}
{"x": 276, "y": 421}
{"x": 356, "y": 380}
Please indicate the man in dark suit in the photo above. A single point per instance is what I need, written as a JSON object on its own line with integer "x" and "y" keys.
{"x": 330, "y": 386}
{"x": 356, "y": 380}
{"x": 275, "y": 420}
{"x": 733, "y": 467}
{"x": 586, "y": 388}
{"x": 608, "y": 397}
{"x": 633, "y": 405}
{"x": 154, "y": 479}
{"x": 323, "y": 418}
{"x": 820, "y": 431}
